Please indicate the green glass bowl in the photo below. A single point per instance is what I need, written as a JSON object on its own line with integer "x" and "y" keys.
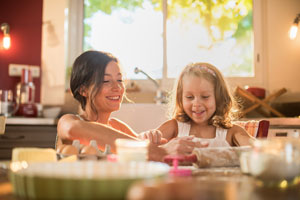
{"x": 81, "y": 180}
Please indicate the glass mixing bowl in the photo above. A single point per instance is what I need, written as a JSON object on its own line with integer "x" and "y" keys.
{"x": 275, "y": 161}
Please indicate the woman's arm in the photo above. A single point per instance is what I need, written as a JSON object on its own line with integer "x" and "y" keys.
{"x": 239, "y": 136}
{"x": 122, "y": 126}
{"x": 70, "y": 127}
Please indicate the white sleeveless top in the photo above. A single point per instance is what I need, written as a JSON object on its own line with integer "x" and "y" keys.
{"x": 218, "y": 141}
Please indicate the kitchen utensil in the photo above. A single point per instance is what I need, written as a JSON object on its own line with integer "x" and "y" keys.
{"x": 7, "y": 104}
{"x": 81, "y": 180}
{"x": 275, "y": 161}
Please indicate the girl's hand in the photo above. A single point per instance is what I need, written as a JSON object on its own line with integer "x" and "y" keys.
{"x": 182, "y": 145}
{"x": 154, "y": 136}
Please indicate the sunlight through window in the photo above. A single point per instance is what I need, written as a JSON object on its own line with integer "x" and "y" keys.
{"x": 218, "y": 32}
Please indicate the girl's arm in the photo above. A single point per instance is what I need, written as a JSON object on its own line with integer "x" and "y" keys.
{"x": 169, "y": 129}
{"x": 70, "y": 127}
{"x": 239, "y": 136}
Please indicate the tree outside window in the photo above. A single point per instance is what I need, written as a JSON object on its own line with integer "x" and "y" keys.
{"x": 215, "y": 31}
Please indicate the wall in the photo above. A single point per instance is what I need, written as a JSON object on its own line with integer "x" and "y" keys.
{"x": 283, "y": 54}
{"x": 54, "y": 51}
{"x": 25, "y": 21}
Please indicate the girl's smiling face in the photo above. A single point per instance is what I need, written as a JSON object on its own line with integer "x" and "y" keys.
{"x": 110, "y": 96}
{"x": 198, "y": 98}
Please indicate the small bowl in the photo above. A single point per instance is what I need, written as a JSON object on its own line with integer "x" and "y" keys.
{"x": 52, "y": 112}
{"x": 275, "y": 162}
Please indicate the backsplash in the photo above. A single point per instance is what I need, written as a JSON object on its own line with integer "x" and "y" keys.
{"x": 25, "y": 21}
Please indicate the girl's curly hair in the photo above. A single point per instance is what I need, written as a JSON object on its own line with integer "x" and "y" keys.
{"x": 226, "y": 106}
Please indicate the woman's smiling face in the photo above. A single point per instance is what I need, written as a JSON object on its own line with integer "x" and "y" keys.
{"x": 198, "y": 98}
{"x": 110, "y": 96}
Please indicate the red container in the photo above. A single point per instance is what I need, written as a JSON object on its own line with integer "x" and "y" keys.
{"x": 258, "y": 92}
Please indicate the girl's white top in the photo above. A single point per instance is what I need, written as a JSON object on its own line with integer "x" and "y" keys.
{"x": 218, "y": 141}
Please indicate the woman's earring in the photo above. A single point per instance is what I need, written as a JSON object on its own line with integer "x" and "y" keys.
{"x": 83, "y": 92}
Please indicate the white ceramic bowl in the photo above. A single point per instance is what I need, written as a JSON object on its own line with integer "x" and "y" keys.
{"x": 52, "y": 112}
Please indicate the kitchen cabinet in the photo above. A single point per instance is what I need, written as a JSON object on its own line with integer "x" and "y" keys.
{"x": 284, "y": 127}
{"x": 27, "y": 132}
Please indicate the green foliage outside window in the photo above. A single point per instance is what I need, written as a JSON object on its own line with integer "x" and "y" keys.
{"x": 232, "y": 19}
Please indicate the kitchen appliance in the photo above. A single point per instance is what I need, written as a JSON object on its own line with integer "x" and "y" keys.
{"x": 25, "y": 92}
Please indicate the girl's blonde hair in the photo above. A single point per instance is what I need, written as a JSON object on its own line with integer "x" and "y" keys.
{"x": 226, "y": 107}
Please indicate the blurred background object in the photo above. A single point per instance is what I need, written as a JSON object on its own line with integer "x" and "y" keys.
{"x": 2, "y": 124}
{"x": 52, "y": 112}
{"x": 8, "y": 104}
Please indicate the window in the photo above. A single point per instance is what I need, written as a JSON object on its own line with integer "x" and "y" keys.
{"x": 139, "y": 34}
{"x": 131, "y": 30}
{"x": 218, "y": 32}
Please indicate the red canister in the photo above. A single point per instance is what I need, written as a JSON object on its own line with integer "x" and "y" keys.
{"x": 257, "y": 91}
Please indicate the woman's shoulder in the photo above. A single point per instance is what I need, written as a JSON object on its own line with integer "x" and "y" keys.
{"x": 70, "y": 117}
{"x": 122, "y": 126}
{"x": 69, "y": 120}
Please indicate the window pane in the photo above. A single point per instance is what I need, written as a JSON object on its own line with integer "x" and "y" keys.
{"x": 130, "y": 31}
{"x": 218, "y": 32}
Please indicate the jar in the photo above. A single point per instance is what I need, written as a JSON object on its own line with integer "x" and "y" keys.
{"x": 132, "y": 150}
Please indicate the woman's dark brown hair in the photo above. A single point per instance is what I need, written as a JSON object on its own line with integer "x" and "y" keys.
{"x": 88, "y": 70}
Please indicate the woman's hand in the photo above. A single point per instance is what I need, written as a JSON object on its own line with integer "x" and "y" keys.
{"x": 182, "y": 145}
{"x": 154, "y": 136}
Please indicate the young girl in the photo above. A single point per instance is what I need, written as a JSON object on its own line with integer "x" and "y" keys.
{"x": 203, "y": 108}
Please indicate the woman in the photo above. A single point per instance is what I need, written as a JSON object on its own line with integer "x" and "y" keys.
{"x": 97, "y": 84}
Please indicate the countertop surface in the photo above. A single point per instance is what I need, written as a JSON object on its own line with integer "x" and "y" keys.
{"x": 30, "y": 121}
{"x": 279, "y": 121}
{"x": 282, "y": 121}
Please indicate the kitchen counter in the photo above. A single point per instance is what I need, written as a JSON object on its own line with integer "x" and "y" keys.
{"x": 281, "y": 126}
{"x": 27, "y": 132}
{"x": 279, "y": 121}
{"x": 284, "y": 127}
{"x": 284, "y": 121}
{"x": 30, "y": 121}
